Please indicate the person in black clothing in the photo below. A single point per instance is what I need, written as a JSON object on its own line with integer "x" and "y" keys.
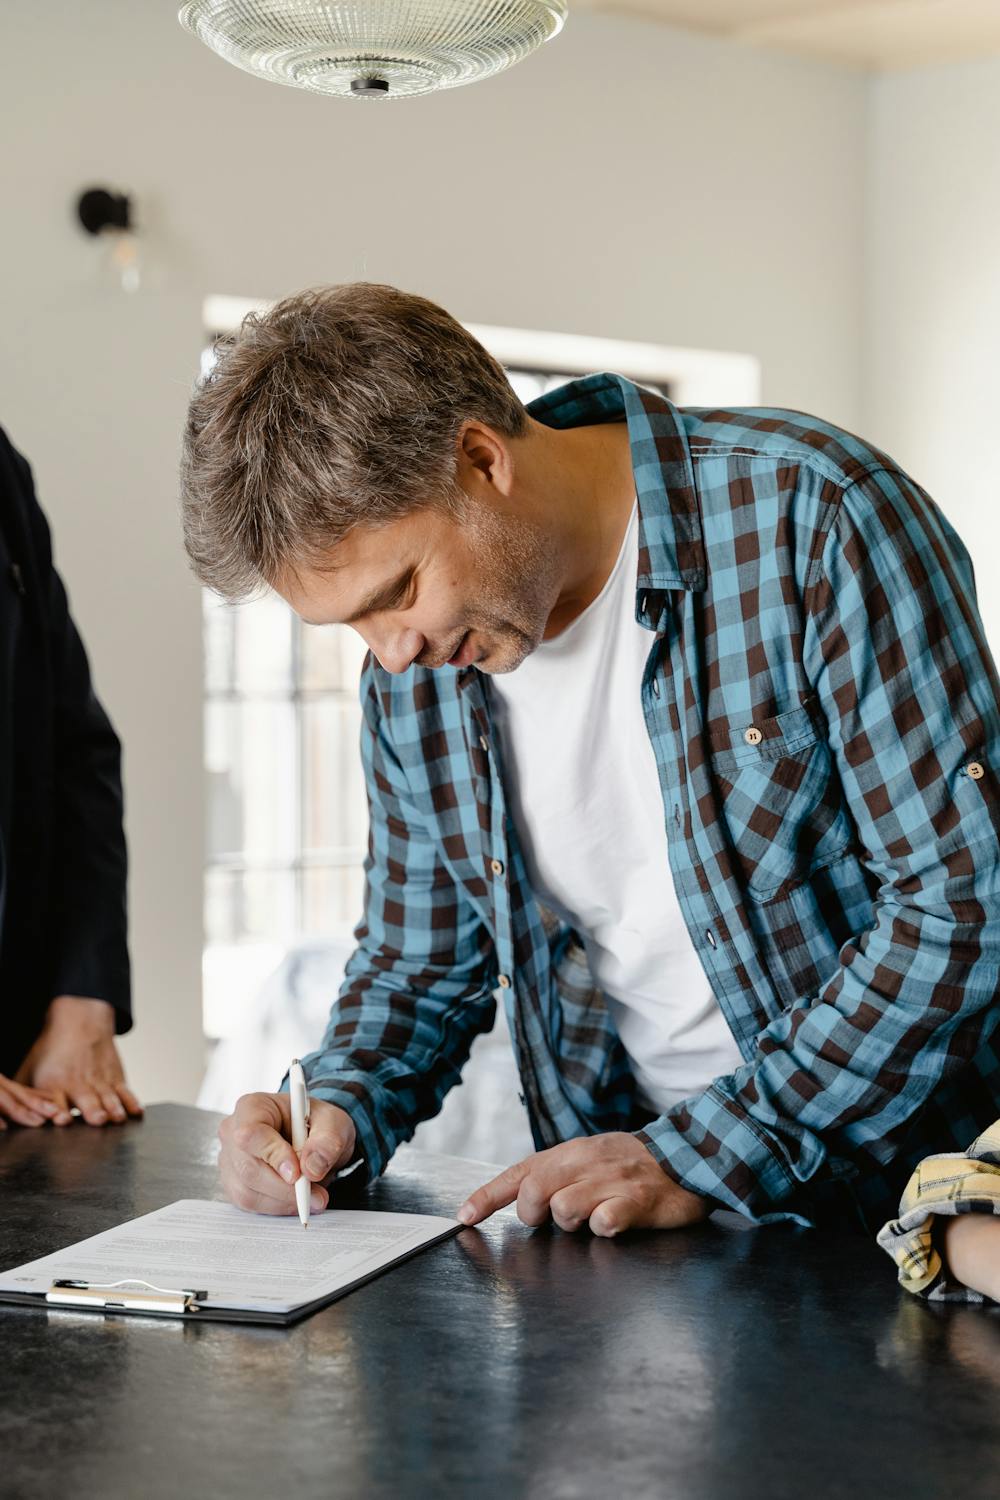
{"x": 64, "y": 966}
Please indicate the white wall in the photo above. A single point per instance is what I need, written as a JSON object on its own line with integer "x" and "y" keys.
{"x": 629, "y": 181}
{"x": 932, "y": 325}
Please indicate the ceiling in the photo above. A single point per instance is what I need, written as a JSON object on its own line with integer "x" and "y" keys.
{"x": 877, "y": 34}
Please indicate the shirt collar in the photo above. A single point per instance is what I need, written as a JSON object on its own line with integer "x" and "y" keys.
{"x": 671, "y": 552}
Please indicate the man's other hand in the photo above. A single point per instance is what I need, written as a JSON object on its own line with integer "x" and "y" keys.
{"x": 257, "y": 1164}
{"x": 76, "y": 1063}
{"x": 610, "y": 1182}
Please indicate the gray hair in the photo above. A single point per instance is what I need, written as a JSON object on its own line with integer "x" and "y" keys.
{"x": 339, "y": 407}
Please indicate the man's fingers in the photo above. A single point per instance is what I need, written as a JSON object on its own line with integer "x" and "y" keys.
{"x": 572, "y": 1206}
{"x": 254, "y": 1153}
{"x": 257, "y": 1177}
{"x": 258, "y": 1163}
{"x": 249, "y": 1181}
{"x": 615, "y": 1214}
{"x": 607, "y": 1181}
{"x": 240, "y": 1189}
{"x": 328, "y": 1145}
{"x": 610, "y": 1206}
{"x": 532, "y": 1182}
{"x": 495, "y": 1194}
{"x": 534, "y": 1196}
{"x": 262, "y": 1141}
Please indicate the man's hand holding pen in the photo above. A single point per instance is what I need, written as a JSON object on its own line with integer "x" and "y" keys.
{"x": 258, "y": 1165}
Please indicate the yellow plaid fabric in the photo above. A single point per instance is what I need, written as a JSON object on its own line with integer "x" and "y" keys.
{"x": 955, "y": 1182}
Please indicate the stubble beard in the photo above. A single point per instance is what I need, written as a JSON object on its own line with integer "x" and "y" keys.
{"x": 518, "y": 575}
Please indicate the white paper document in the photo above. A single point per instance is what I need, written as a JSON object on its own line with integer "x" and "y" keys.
{"x": 239, "y": 1260}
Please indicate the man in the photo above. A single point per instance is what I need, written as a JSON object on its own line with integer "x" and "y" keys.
{"x": 679, "y": 730}
{"x": 64, "y": 970}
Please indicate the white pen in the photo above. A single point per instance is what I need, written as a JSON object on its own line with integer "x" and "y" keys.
{"x": 300, "y": 1129}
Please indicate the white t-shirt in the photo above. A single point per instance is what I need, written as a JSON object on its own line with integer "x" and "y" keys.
{"x": 584, "y": 794}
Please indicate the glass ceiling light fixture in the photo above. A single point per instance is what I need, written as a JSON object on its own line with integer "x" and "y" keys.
{"x": 384, "y": 49}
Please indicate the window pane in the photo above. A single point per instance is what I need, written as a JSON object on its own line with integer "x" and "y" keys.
{"x": 263, "y": 645}
{"x": 219, "y": 643}
{"x": 331, "y": 657}
{"x": 251, "y": 768}
{"x": 232, "y": 975}
{"x": 332, "y": 900}
{"x": 335, "y": 811}
{"x": 241, "y": 904}
{"x": 526, "y": 384}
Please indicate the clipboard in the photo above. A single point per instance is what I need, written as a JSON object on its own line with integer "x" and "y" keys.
{"x": 138, "y": 1296}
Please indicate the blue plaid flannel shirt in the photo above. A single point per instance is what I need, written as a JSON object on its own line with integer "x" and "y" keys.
{"x": 824, "y": 712}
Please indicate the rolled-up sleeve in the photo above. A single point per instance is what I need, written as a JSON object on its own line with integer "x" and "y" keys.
{"x": 419, "y": 986}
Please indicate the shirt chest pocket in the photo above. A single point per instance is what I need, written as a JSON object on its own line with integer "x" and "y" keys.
{"x": 782, "y": 805}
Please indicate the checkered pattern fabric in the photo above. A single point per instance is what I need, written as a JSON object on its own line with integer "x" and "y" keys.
{"x": 824, "y": 712}
{"x": 956, "y": 1182}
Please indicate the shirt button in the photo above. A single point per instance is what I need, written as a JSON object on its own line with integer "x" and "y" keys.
{"x": 484, "y": 742}
{"x": 975, "y": 770}
{"x": 656, "y": 687}
{"x": 677, "y": 814}
{"x": 504, "y": 982}
{"x": 496, "y": 865}
{"x": 710, "y": 938}
{"x": 752, "y": 735}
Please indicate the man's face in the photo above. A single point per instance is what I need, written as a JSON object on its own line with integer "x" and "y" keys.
{"x": 437, "y": 590}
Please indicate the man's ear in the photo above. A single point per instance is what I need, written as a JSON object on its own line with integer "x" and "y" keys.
{"x": 484, "y": 458}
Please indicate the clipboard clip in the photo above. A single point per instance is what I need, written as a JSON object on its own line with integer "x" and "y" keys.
{"x": 132, "y": 1295}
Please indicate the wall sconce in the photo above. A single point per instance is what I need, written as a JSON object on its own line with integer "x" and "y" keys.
{"x": 107, "y": 214}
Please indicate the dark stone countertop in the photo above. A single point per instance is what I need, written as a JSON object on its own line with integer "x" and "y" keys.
{"x": 719, "y": 1363}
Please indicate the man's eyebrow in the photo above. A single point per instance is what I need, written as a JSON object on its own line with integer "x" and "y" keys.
{"x": 381, "y": 598}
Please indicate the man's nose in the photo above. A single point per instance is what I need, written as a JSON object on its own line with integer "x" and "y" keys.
{"x": 399, "y": 649}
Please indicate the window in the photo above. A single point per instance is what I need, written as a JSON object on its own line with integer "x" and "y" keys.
{"x": 287, "y": 822}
